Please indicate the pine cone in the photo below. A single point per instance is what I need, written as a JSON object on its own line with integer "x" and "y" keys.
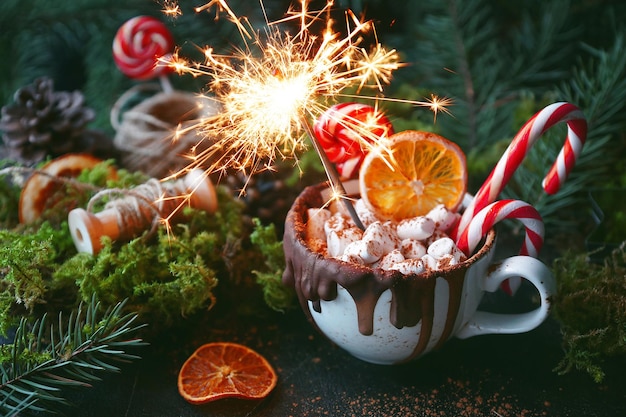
{"x": 43, "y": 122}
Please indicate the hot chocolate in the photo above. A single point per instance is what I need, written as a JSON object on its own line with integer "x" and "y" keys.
{"x": 386, "y": 316}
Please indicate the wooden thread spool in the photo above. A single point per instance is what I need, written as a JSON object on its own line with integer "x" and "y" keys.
{"x": 128, "y": 217}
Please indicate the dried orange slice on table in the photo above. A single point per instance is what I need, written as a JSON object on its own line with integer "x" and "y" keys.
{"x": 417, "y": 172}
{"x": 225, "y": 370}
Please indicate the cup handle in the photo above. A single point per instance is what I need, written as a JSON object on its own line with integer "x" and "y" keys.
{"x": 529, "y": 268}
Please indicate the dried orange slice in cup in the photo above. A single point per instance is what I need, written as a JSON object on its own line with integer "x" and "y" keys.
{"x": 418, "y": 171}
{"x": 225, "y": 370}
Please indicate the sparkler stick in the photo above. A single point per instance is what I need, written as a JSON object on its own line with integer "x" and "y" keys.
{"x": 333, "y": 175}
{"x": 271, "y": 87}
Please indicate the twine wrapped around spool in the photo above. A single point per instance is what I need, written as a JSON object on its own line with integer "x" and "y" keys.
{"x": 145, "y": 132}
{"x": 139, "y": 209}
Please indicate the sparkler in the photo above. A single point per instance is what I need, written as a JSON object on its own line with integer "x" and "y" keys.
{"x": 271, "y": 87}
{"x": 171, "y": 8}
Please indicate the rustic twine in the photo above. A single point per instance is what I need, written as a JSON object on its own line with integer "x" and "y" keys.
{"x": 32, "y": 171}
{"x": 146, "y": 132}
{"x": 140, "y": 207}
{"x": 143, "y": 206}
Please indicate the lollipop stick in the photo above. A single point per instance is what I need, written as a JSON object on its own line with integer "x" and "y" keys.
{"x": 333, "y": 175}
{"x": 166, "y": 85}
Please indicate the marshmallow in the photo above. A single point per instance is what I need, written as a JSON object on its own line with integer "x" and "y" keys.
{"x": 352, "y": 258}
{"x": 384, "y": 234}
{"x": 409, "y": 266}
{"x": 366, "y": 216}
{"x": 315, "y": 224}
{"x": 412, "y": 249}
{"x": 444, "y": 247}
{"x": 437, "y": 234}
{"x": 336, "y": 222}
{"x": 338, "y": 206}
{"x": 418, "y": 228}
{"x": 335, "y": 207}
{"x": 369, "y": 250}
{"x": 429, "y": 262}
{"x": 443, "y": 218}
{"x": 337, "y": 240}
{"x": 390, "y": 259}
{"x": 446, "y": 261}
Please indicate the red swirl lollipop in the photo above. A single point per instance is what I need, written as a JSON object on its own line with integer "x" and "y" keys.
{"x": 345, "y": 128}
{"x": 139, "y": 45}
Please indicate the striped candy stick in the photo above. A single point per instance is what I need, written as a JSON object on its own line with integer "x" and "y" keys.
{"x": 345, "y": 128}
{"x": 494, "y": 213}
{"x": 519, "y": 147}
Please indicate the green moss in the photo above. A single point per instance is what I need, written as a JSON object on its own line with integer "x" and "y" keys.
{"x": 164, "y": 275}
{"x": 27, "y": 261}
{"x": 276, "y": 295}
{"x": 591, "y": 306}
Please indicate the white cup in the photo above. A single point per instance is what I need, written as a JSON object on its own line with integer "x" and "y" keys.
{"x": 386, "y": 317}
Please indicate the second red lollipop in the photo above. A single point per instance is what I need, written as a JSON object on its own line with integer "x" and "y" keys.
{"x": 345, "y": 129}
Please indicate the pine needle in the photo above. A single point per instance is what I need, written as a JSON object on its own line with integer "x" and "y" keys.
{"x": 38, "y": 368}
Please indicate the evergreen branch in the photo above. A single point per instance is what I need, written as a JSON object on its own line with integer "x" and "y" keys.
{"x": 486, "y": 63}
{"x": 42, "y": 362}
{"x": 598, "y": 87}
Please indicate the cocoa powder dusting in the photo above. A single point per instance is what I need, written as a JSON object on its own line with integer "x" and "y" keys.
{"x": 453, "y": 398}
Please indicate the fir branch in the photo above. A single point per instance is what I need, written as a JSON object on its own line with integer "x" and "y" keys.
{"x": 505, "y": 67}
{"x": 598, "y": 87}
{"x": 43, "y": 362}
{"x": 464, "y": 51}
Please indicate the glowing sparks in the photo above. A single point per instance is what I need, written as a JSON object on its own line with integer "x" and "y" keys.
{"x": 270, "y": 89}
{"x": 438, "y": 104}
{"x": 272, "y": 86}
{"x": 171, "y": 8}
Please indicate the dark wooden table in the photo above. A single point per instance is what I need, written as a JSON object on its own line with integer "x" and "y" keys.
{"x": 503, "y": 375}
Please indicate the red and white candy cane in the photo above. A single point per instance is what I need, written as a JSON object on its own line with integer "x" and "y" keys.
{"x": 494, "y": 213}
{"x": 519, "y": 147}
{"x": 139, "y": 45}
{"x": 343, "y": 131}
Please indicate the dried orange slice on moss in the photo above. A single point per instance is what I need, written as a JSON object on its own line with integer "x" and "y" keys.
{"x": 225, "y": 370}
{"x": 39, "y": 191}
{"x": 418, "y": 171}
